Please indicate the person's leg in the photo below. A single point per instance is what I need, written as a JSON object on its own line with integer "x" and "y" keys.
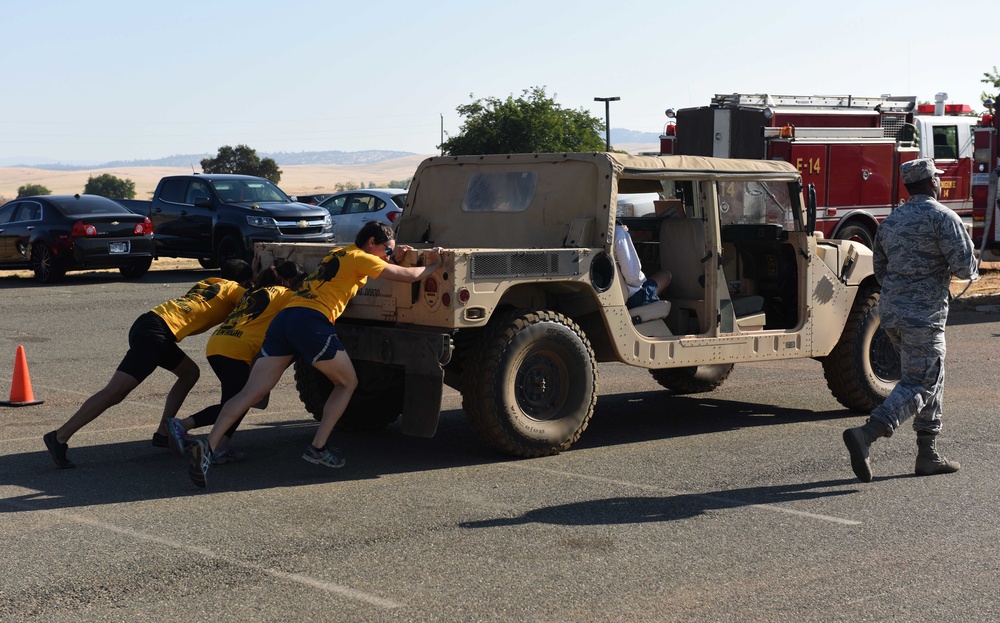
{"x": 662, "y": 280}
{"x": 187, "y": 373}
{"x": 341, "y": 372}
{"x": 264, "y": 376}
{"x": 120, "y": 385}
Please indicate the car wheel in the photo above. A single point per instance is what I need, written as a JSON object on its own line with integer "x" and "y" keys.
{"x": 693, "y": 379}
{"x": 532, "y": 389}
{"x": 857, "y": 233}
{"x": 376, "y": 403}
{"x": 43, "y": 262}
{"x": 208, "y": 262}
{"x": 230, "y": 248}
{"x": 135, "y": 271}
{"x": 864, "y": 366}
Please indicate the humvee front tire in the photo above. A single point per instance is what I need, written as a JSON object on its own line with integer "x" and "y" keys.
{"x": 693, "y": 379}
{"x": 532, "y": 389}
{"x": 376, "y": 403}
{"x": 863, "y": 367}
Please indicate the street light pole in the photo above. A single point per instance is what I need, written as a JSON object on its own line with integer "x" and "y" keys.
{"x": 607, "y": 118}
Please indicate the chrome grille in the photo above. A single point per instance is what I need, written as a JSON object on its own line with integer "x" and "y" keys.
{"x": 525, "y": 264}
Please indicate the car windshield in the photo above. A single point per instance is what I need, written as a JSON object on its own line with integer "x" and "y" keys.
{"x": 252, "y": 191}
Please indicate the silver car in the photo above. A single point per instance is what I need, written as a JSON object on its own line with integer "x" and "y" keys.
{"x": 351, "y": 209}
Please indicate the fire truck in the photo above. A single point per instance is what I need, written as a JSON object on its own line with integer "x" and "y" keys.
{"x": 849, "y": 148}
{"x": 984, "y": 185}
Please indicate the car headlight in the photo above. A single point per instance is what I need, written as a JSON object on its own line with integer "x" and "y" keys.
{"x": 327, "y": 222}
{"x": 262, "y": 221}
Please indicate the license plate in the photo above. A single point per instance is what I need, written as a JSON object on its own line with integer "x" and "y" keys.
{"x": 117, "y": 247}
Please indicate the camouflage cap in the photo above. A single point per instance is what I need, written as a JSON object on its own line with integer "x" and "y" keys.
{"x": 918, "y": 170}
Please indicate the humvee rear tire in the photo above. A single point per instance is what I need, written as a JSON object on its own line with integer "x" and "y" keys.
{"x": 693, "y": 379}
{"x": 533, "y": 387}
{"x": 376, "y": 403}
{"x": 863, "y": 367}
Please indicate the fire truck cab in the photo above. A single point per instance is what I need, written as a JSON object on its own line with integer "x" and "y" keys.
{"x": 849, "y": 148}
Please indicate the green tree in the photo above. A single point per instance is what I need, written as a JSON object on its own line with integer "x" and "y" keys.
{"x": 532, "y": 123}
{"x": 30, "y": 190}
{"x": 107, "y": 185}
{"x": 242, "y": 160}
{"x": 991, "y": 78}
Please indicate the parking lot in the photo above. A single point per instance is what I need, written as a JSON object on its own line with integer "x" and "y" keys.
{"x": 738, "y": 505}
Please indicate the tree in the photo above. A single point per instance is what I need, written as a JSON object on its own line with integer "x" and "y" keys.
{"x": 243, "y": 160}
{"x": 30, "y": 190}
{"x": 992, "y": 78}
{"x": 107, "y": 185}
{"x": 532, "y": 123}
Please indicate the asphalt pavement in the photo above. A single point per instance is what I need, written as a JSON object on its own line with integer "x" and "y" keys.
{"x": 738, "y": 505}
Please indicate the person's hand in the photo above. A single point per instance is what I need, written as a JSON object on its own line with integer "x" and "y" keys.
{"x": 433, "y": 256}
{"x": 399, "y": 253}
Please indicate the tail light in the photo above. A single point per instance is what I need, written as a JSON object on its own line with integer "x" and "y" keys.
{"x": 430, "y": 285}
{"x": 143, "y": 228}
{"x": 83, "y": 230}
{"x": 392, "y": 216}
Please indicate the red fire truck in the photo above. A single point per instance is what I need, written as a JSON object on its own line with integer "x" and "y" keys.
{"x": 849, "y": 147}
{"x": 986, "y": 168}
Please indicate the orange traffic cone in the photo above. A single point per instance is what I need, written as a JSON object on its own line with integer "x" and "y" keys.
{"x": 20, "y": 388}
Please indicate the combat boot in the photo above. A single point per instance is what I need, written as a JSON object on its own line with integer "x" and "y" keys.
{"x": 929, "y": 462}
{"x": 859, "y": 440}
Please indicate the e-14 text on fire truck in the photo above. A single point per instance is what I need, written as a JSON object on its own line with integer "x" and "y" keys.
{"x": 849, "y": 148}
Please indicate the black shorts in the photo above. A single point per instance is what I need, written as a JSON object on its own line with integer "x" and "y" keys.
{"x": 151, "y": 344}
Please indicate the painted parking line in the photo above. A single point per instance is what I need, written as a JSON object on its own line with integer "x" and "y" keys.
{"x": 297, "y": 578}
{"x": 715, "y": 498}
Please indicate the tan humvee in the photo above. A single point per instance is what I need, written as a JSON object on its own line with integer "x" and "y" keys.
{"x": 529, "y": 297}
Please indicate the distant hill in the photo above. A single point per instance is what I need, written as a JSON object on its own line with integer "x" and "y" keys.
{"x": 621, "y": 135}
{"x": 282, "y": 158}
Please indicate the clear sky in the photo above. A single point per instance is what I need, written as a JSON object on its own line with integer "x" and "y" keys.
{"x": 122, "y": 80}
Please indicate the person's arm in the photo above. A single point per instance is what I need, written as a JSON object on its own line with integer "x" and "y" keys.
{"x": 958, "y": 248}
{"x": 628, "y": 259}
{"x": 409, "y": 274}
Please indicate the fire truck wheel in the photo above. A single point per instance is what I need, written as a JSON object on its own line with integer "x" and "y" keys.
{"x": 532, "y": 389}
{"x": 693, "y": 379}
{"x": 857, "y": 233}
{"x": 376, "y": 403}
{"x": 863, "y": 367}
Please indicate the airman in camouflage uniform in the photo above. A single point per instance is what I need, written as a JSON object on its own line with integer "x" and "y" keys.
{"x": 917, "y": 250}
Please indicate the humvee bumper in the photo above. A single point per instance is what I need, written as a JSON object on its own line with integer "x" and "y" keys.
{"x": 422, "y": 354}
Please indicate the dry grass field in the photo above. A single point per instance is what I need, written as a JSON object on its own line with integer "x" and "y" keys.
{"x": 295, "y": 180}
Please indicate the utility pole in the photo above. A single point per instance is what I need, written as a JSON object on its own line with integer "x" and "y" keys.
{"x": 607, "y": 118}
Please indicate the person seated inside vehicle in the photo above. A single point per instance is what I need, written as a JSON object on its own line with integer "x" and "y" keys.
{"x": 641, "y": 291}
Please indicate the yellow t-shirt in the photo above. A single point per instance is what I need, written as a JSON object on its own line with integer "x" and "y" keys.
{"x": 337, "y": 279}
{"x": 205, "y": 305}
{"x": 242, "y": 334}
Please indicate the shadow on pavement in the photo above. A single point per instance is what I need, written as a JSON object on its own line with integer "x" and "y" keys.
{"x": 134, "y": 470}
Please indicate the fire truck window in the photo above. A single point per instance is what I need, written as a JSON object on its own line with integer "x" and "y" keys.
{"x": 756, "y": 203}
{"x": 945, "y": 142}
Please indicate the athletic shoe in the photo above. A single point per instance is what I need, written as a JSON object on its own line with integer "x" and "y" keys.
{"x": 57, "y": 451}
{"x": 323, "y": 457}
{"x": 229, "y": 455}
{"x": 160, "y": 441}
{"x": 177, "y": 437}
{"x": 199, "y": 460}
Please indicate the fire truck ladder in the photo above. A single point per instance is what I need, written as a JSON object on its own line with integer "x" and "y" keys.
{"x": 902, "y": 104}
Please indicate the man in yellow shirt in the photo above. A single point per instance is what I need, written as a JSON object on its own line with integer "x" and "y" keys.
{"x": 305, "y": 328}
{"x": 152, "y": 342}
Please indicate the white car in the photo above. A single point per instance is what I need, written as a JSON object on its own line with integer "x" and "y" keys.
{"x": 351, "y": 209}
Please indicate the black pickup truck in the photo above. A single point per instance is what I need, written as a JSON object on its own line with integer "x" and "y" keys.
{"x": 214, "y": 218}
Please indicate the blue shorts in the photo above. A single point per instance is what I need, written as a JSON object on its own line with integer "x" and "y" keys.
{"x": 301, "y": 331}
{"x": 645, "y": 295}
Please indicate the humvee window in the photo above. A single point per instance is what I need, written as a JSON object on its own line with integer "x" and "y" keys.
{"x": 756, "y": 203}
{"x": 500, "y": 192}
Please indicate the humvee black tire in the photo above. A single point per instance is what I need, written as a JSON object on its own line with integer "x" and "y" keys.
{"x": 376, "y": 403}
{"x": 693, "y": 379}
{"x": 532, "y": 387}
{"x": 863, "y": 367}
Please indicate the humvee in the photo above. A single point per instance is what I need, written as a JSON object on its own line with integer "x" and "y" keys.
{"x": 529, "y": 297}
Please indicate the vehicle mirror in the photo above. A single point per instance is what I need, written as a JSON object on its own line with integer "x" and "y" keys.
{"x": 203, "y": 202}
{"x": 811, "y": 209}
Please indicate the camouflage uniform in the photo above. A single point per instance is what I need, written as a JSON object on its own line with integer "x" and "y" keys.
{"x": 917, "y": 250}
